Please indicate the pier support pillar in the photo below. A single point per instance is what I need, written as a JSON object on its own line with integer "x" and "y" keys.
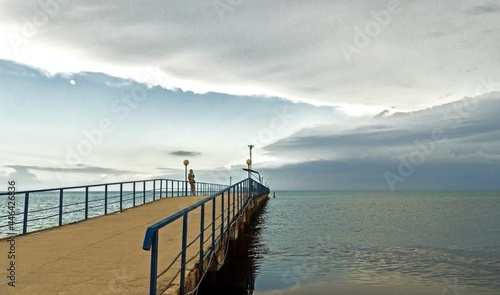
{"x": 219, "y": 255}
{"x": 234, "y": 233}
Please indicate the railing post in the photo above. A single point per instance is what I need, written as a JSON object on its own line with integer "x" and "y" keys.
{"x": 60, "y": 206}
{"x": 154, "y": 190}
{"x": 133, "y": 194}
{"x": 144, "y": 192}
{"x": 105, "y": 199}
{"x": 86, "y": 202}
{"x": 154, "y": 264}
{"x": 121, "y": 196}
{"x": 234, "y": 204}
{"x": 242, "y": 199}
{"x": 26, "y": 208}
{"x": 249, "y": 190}
{"x": 167, "y": 188}
{"x": 202, "y": 236}
{"x": 222, "y": 217}
{"x": 213, "y": 224}
{"x": 238, "y": 197}
{"x": 161, "y": 187}
{"x": 228, "y": 209}
{"x": 183, "y": 255}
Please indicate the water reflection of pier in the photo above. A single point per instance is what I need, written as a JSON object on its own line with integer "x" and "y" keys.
{"x": 240, "y": 269}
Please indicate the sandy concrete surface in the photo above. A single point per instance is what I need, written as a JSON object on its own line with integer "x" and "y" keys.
{"x": 102, "y": 255}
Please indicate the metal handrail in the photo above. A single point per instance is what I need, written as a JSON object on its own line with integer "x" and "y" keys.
{"x": 233, "y": 202}
{"x": 141, "y": 192}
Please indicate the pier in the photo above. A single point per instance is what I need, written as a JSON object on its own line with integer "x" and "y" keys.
{"x": 166, "y": 245}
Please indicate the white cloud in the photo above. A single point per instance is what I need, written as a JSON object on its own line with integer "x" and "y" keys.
{"x": 408, "y": 53}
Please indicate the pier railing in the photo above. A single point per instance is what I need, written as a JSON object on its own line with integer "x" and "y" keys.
{"x": 212, "y": 218}
{"x": 46, "y": 208}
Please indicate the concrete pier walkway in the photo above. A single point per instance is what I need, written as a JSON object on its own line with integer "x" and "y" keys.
{"x": 101, "y": 255}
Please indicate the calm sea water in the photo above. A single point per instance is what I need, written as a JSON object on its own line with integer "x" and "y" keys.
{"x": 369, "y": 243}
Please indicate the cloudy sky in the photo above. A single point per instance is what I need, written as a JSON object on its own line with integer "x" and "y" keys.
{"x": 333, "y": 94}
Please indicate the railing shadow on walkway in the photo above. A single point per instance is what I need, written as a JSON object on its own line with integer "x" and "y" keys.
{"x": 199, "y": 237}
{"x": 47, "y": 208}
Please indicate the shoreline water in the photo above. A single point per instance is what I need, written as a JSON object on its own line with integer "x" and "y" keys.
{"x": 374, "y": 243}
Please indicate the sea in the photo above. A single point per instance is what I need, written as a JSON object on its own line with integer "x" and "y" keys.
{"x": 367, "y": 242}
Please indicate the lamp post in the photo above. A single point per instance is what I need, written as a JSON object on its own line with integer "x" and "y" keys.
{"x": 186, "y": 163}
{"x": 250, "y": 146}
{"x": 249, "y": 164}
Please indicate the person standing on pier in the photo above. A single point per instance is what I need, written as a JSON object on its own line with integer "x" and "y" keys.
{"x": 191, "y": 181}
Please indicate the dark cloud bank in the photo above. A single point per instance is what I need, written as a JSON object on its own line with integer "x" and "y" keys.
{"x": 452, "y": 146}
